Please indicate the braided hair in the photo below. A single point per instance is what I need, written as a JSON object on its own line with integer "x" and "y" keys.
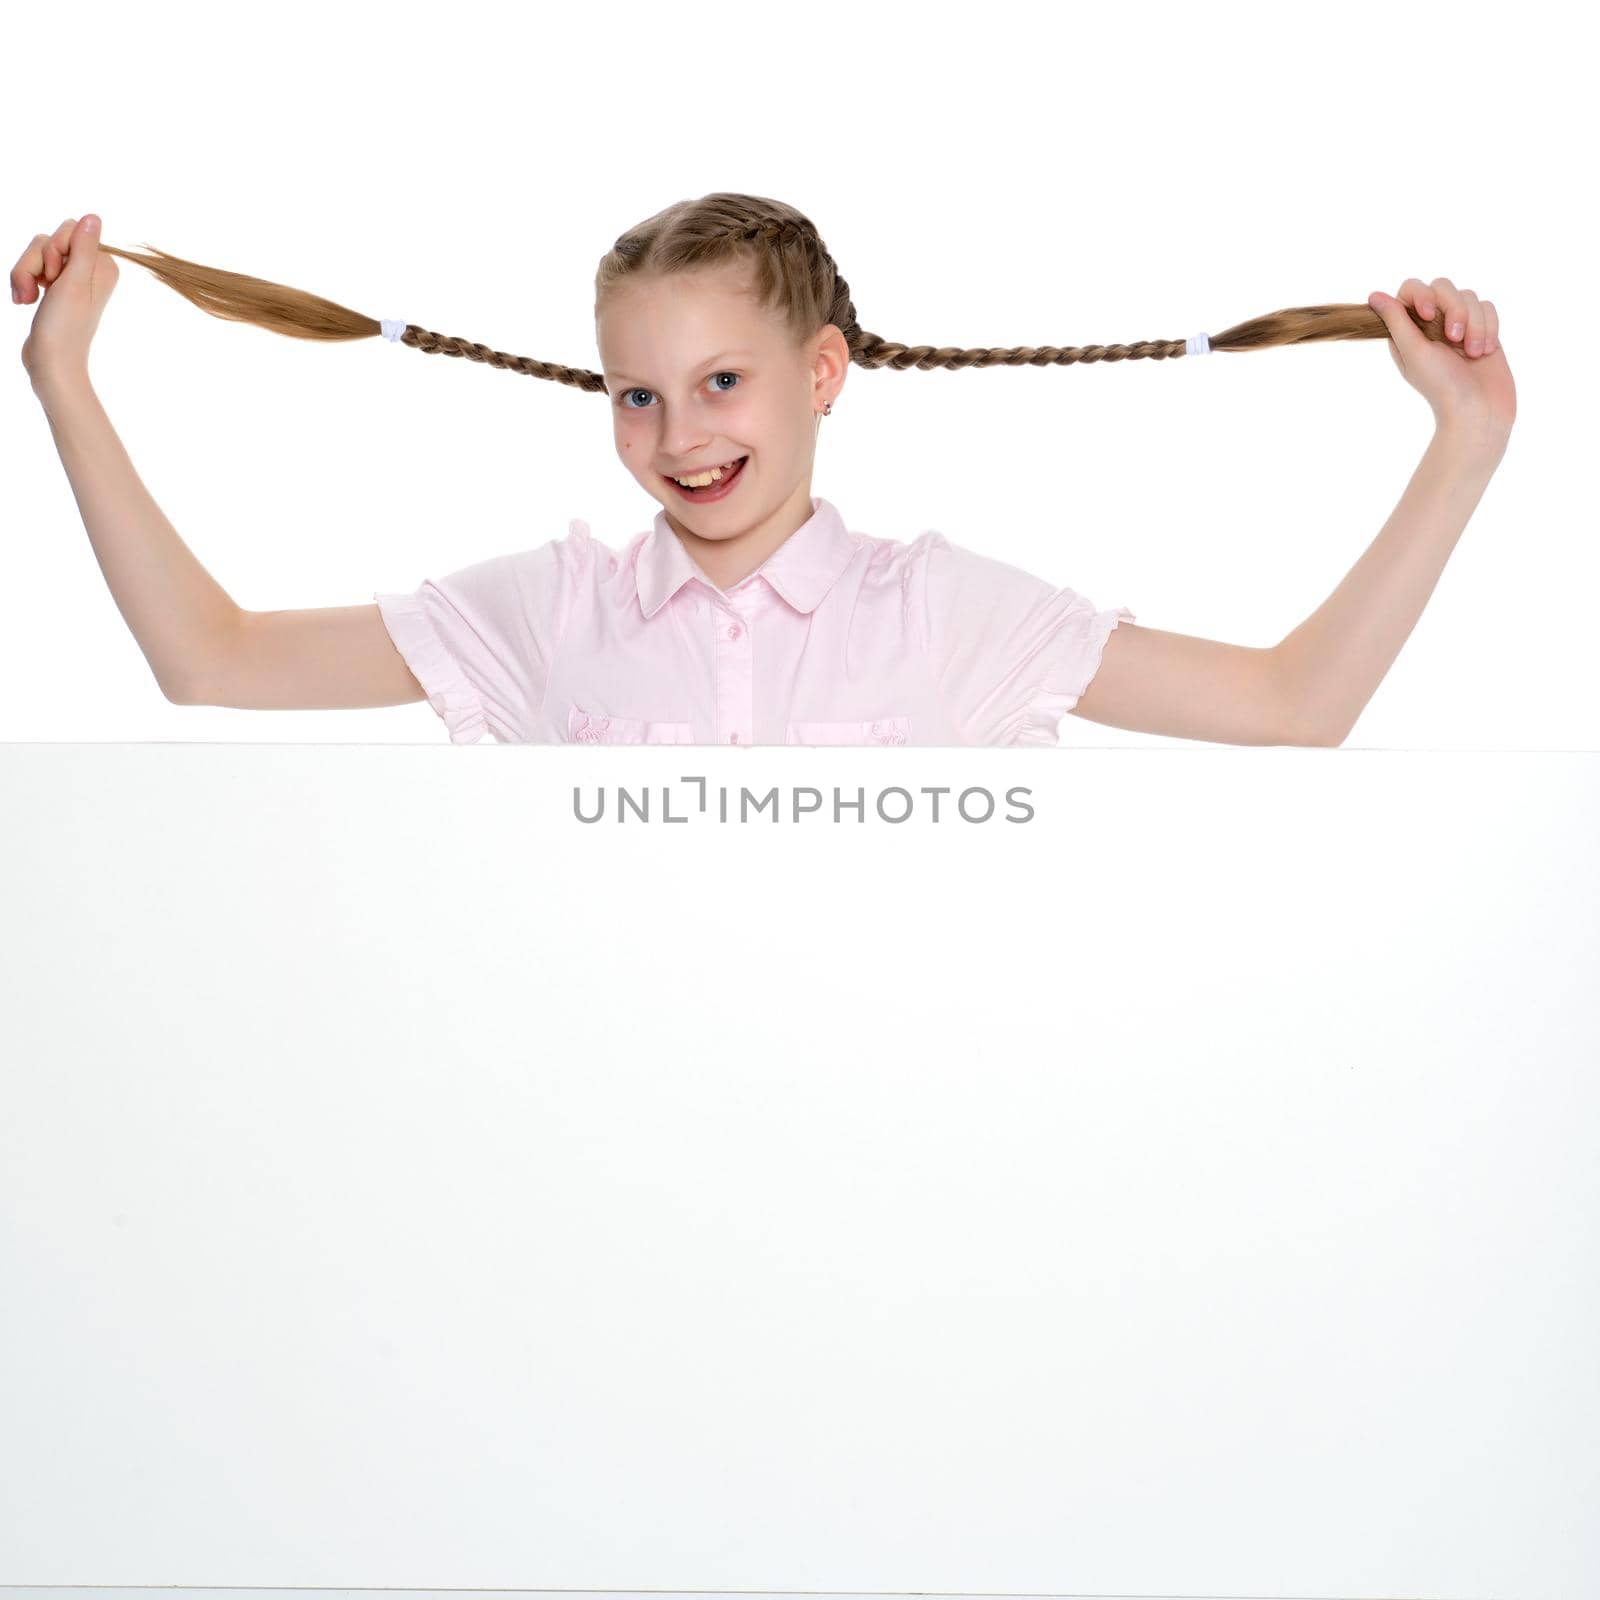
{"x": 793, "y": 275}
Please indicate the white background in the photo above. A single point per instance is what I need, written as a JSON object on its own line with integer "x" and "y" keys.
{"x": 330, "y": 1073}
{"x": 1000, "y": 176}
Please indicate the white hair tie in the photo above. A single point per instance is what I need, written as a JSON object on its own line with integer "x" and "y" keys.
{"x": 1197, "y": 344}
{"x": 393, "y": 330}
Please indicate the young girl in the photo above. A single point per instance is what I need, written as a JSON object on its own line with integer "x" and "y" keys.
{"x": 749, "y": 612}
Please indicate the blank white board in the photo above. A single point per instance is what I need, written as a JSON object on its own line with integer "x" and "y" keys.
{"x": 1187, "y": 1189}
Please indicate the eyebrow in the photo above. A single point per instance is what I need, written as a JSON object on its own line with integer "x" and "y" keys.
{"x": 709, "y": 361}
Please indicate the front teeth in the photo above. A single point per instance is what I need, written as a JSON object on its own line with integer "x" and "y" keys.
{"x": 701, "y": 479}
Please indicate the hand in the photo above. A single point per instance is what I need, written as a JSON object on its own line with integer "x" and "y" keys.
{"x": 80, "y": 277}
{"x": 1461, "y": 371}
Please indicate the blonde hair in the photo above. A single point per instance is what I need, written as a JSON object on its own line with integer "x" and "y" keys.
{"x": 792, "y": 275}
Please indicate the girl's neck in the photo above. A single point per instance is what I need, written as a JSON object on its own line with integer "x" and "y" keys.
{"x": 729, "y": 561}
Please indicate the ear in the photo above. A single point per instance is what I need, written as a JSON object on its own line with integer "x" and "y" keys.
{"x": 832, "y": 358}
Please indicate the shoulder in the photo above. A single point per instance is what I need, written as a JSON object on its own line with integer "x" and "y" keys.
{"x": 958, "y": 563}
{"x": 901, "y": 563}
{"x": 941, "y": 581}
{"x": 932, "y": 554}
{"x": 894, "y": 553}
{"x": 578, "y": 554}
{"x": 948, "y": 595}
{"x": 576, "y": 559}
{"x": 533, "y": 588}
{"x": 956, "y": 583}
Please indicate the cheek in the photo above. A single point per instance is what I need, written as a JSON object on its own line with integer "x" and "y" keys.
{"x": 750, "y": 423}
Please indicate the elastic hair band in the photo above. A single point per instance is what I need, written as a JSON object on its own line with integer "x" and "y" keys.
{"x": 1197, "y": 344}
{"x": 393, "y": 330}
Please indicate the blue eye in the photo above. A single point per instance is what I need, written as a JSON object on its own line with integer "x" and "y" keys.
{"x": 623, "y": 397}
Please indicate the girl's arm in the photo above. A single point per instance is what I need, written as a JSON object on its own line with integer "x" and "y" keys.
{"x": 1310, "y": 687}
{"x": 202, "y": 647}
{"x": 1317, "y": 681}
{"x": 1335, "y": 660}
{"x": 1183, "y": 687}
{"x": 175, "y": 609}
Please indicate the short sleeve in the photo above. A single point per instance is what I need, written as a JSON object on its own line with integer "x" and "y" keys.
{"x": 481, "y": 640}
{"x": 1011, "y": 653}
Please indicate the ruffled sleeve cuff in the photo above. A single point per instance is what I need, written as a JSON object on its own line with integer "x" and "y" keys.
{"x": 423, "y": 649}
{"x": 1072, "y": 671}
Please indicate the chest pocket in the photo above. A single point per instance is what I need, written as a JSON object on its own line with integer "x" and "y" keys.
{"x": 880, "y": 730}
{"x": 586, "y": 728}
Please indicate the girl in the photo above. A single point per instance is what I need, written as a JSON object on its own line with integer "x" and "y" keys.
{"x": 749, "y": 612}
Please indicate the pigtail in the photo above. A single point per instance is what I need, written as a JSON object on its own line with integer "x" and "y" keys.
{"x": 275, "y": 306}
{"x": 793, "y": 272}
{"x": 1297, "y": 325}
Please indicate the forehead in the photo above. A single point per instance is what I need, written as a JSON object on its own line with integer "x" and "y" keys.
{"x": 677, "y": 323}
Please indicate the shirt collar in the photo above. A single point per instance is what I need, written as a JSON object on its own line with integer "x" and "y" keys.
{"x": 802, "y": 569}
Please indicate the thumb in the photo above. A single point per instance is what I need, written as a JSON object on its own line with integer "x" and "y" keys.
{"x": 85, "y": 247}
{"x": 1396, "y": 316}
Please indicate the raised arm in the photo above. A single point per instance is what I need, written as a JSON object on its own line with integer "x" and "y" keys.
{"x": 204, "y": 649}
{"x": 175, "y": 609}
{"x": 1312, "y": 685}
{"x": 201, "y": 646}
{"x": 1338, "y": 656}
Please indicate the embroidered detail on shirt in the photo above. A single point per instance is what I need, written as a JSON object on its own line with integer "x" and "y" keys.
{"x": 878, "y": 730}
{"x": 585, "y": 727}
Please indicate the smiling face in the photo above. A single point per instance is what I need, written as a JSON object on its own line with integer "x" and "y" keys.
{"x": 698, "y": 374}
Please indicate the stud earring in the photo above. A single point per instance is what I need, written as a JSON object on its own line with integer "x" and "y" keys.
{"x": 827, "y": 408}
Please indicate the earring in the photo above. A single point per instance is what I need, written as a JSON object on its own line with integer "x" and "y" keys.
{"x": 827, "y": 408}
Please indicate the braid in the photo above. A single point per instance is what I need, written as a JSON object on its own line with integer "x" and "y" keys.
{"x": 772, "y": 230}
{"x": 794, "y": 271}
{"x": 877, "y": 352}
{"x": 443, "y": 344}
{"x": 1298, "y": 325}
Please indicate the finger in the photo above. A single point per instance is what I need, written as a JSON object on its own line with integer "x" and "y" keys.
{"x": 1491, "y": 328}
{"x": 1452, "y": 303}
{"x": 1416, "y": 294}
{"x": 29, "y": 268}
{"x": 1474, "y": 340}
{"x": 56, "y": 248}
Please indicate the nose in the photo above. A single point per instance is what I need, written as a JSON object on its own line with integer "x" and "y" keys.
{"x": 685, "y": 427}
{"x": 684, "y": 441}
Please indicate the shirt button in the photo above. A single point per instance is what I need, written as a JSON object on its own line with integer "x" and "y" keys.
{"x": 733, "y": 632}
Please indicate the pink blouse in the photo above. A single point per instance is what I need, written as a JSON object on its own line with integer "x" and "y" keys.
{"x": 839, "y": 638}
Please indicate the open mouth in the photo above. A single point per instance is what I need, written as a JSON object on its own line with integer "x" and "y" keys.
{"x": 716, "y": 490}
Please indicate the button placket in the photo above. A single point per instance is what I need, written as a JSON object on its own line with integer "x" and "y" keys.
{"x": 735, "y": 677}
